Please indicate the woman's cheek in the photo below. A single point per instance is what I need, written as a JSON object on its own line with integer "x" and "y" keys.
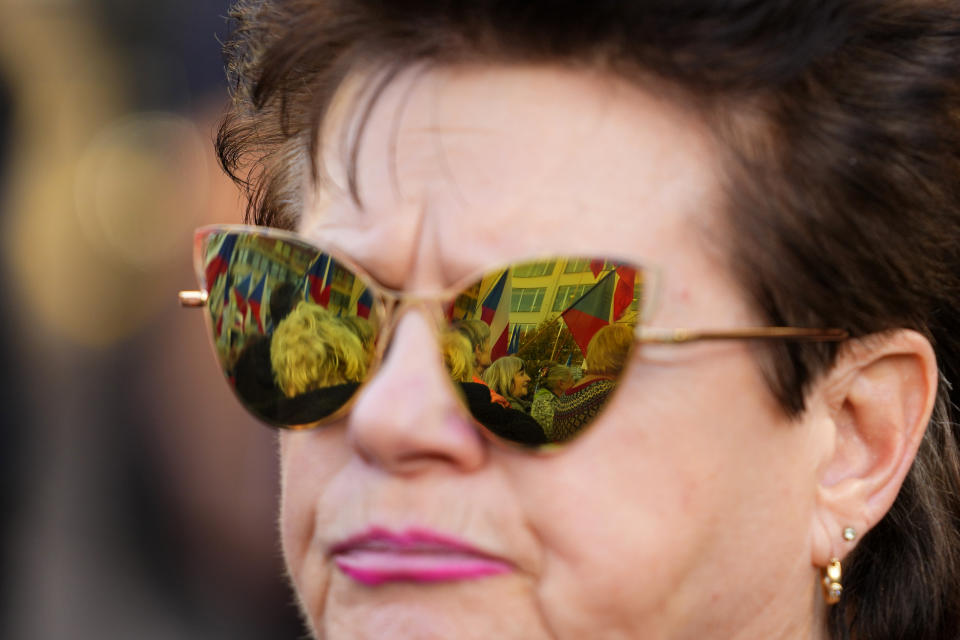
{"x": 308, "y": 463}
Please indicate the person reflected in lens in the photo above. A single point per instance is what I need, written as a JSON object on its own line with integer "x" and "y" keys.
{"x": 364, "y": 330}
{"x": 318, "y": 362}
{"x": 282, "y": 300}
{"x": 507, "y": 378}
{"x": 458, "y": 356}
{"x": 478, "y": 332}
{"x": 511, "y": 425}
{"x": 607, "y": 354}
{"x": 554, "y": 382}
{"x": 253, "y": 375}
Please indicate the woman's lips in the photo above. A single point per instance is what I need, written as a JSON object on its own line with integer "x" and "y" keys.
{"x": 378, "y": 555}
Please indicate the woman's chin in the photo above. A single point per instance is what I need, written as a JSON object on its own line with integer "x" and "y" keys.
{"x": 489, "y": 607}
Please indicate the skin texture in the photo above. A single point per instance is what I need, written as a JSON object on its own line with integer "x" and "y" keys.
{"x": 693, "y": 508}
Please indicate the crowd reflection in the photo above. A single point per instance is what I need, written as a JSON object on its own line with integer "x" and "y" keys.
{"x": 554, "y": 381}
{"x": 313, "y": 361}
{"x": 309, "y": 366}
{"x": 302, "y": 356}
{"x": 606, "y": 357}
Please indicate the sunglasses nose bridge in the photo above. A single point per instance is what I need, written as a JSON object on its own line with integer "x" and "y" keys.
{"x": 407, "y": 417}
{"x": 397, "y": 305}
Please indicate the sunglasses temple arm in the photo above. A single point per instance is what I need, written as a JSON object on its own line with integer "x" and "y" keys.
{"x": 192, "y": 299}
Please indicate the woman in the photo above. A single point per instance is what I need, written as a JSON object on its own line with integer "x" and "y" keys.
{"x": 486, "y": 406}
{"x": 508, "y": 379}
{"x": 317, "y": 361}
{"x": 789, "y": 168}
{"x": 581, "y": 403}
{"x": 458, "y": 356}
{"x": 300, "y": 355}
{"x": 554, "y": 382}
{"x": 478, "y": 333}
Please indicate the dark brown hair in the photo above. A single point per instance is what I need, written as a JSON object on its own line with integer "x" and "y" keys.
{"x": 841, "y": 124}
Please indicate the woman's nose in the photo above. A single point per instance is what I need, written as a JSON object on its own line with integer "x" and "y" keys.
{"x": 407, "y": 418}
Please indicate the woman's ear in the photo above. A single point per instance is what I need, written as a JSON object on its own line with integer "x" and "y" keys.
{"x": 878, "y": 398}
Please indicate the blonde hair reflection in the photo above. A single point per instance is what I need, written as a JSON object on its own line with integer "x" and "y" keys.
{"x": 477, "y": 331}
{"x": 608, "y": 349}
{"x": 555, "y": 376}
{"x": 457, "y": 355}
{"x": 364, "y": 330}
{"x": 312, "y": 349}
{"x": 499, "y": 375}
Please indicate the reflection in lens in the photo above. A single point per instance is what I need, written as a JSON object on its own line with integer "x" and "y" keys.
{"x": 533, "y": 328}
{"x": 506, "y": 378}
{"x": 458, "y": 355}
{"x": 311, "y": 352}
{"x": 291, "y": 326}
{"x": 535, "y": 349}
{"x": 506, "y": 423}
{"x": 554, "y": 380}
{"x": 607, "y": 354}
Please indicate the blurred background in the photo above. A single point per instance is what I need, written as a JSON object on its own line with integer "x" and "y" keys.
{"x": 138, "y": 501}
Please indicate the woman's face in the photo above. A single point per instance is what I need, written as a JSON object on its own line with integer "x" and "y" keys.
{"x": 683, "y": 512}
{"x": 561, "y": 386}
{"x": 483, "y": 355}
{"x": 519, "y": 384}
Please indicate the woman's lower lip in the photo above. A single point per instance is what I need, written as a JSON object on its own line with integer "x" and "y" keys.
{"x": 372, "y": 567}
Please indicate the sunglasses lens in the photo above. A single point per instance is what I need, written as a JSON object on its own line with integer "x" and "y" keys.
{"x": 292, "y": 328}
{"x": 538, "y": 348}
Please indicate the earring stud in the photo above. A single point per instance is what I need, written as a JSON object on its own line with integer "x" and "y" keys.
{"x": 849, "y": 534}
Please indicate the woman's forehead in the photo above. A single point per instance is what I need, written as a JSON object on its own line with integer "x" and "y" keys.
{"x": 493, "y": 164}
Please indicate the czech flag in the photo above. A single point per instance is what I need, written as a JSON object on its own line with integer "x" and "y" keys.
{"x": 255, "y": 300}
{"x": 491, "y": 304}
{"x": 596, "y": 267}
{"x": 364, "y": 303}
{"x": 591, "y": 311}
{"x": 318, "y": 276}
{"x": 623, "y": 294}
{"x": 224, "y": 305}
{"x": 240, "y": 293}
{"x": 514, "y": 345}
{"x": 221, "y": 260}
{"x": 495, "y": 311}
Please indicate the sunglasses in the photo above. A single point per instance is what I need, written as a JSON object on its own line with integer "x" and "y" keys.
{"x": 298, "y": 330}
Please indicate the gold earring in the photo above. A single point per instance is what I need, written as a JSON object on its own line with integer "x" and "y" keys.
{"x": 832, "y": 588}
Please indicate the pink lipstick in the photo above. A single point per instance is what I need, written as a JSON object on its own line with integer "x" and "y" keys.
{"x": 378, "y": 555}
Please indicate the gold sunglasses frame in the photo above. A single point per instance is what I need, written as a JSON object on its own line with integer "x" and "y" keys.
{"x": 391, "y": 305}
{"x": 196, "y": 298}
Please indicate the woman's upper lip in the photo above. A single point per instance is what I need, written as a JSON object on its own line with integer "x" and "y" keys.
{"x": 413, "y": 540}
